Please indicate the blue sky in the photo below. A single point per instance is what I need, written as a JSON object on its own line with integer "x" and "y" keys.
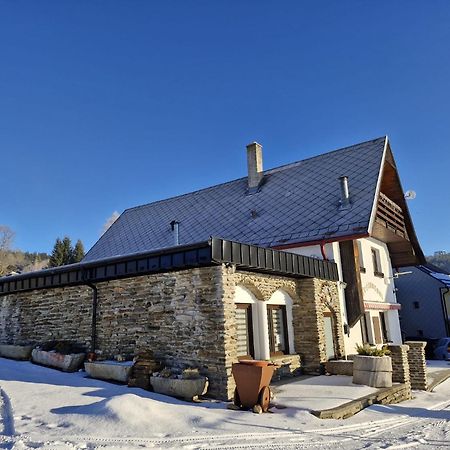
{"x": 106, "y": 105}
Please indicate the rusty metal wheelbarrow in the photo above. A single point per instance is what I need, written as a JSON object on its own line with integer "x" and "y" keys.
{"x": 252, "y": 383}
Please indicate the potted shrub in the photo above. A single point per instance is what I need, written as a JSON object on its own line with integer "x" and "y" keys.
{"x": 372, "y": 366}
{"x": 62, "y": 355}
{"x": 188, "y": 385}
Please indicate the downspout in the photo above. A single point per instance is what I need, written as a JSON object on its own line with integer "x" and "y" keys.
{"x": 444, "y": 307}
{"x": 94, "y": 316}
{"x": 322, "y": 250}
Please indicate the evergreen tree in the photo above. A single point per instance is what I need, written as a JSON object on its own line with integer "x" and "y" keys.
{"x": 63, "y": 253}
{"x": 78, "y": 252}
{"x": 57, "y": 256}
{"x": 67, "y": 250}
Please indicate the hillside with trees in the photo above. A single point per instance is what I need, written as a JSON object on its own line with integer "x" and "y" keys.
{"x": 17, "y": 261}
{"x": 441, "y": 260}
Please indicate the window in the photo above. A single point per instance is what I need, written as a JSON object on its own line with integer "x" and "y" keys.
{"x": 361, "y": 259}
{"x": 376, "y": 263}
{"x": 416, "y": 305}
{"x": 277, "y": 321}
{"x": 244, "y": 331}
{"x": 384, "y": 332}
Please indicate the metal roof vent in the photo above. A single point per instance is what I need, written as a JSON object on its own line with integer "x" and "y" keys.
{"x": 254, "y": 166}
{"x": 344, "y": 202}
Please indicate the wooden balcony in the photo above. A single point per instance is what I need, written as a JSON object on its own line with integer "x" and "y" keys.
{"x": 390, "y": 216}
{"x": 390, "y": 227}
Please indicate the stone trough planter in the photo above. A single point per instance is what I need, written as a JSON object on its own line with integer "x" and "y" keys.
{"x": 19, "y": 352}
{"x": 66, "y": 363}
{"x": 185, "y": 389}
{"x": 109, "y": 370}
{"x": 339, "y": 367}
{"x": 374, "y": 371}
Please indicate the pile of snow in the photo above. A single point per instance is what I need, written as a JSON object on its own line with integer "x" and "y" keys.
{"x": 44, "y": 408}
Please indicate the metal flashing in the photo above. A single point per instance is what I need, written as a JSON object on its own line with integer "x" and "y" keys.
{"x": 216, "y": 251}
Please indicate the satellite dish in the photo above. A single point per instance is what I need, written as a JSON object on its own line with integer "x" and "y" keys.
{"x": 410, "y": 195}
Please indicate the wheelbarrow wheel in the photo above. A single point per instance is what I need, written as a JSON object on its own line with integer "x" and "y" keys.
{"x": 264, "y": 398}
{"x": 236, "y": 398}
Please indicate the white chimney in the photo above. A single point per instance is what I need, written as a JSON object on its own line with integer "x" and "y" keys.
{"x": 255, "y": 166}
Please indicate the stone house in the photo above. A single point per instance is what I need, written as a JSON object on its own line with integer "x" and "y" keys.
{"x": 299, "y": 270}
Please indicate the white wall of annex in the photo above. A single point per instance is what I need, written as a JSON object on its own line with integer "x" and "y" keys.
{"x": 375, "y": 288}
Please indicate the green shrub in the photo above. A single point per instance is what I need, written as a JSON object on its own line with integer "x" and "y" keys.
{"x": 369, "y": 350}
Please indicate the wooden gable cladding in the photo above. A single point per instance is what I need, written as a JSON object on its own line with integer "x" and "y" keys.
{"x": 351, "y": 274}
{"x": 393, "y": 224}
{"x": 390, "y": 215}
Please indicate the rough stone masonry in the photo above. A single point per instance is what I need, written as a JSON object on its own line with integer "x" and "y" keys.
{"x": 185, "y": 317}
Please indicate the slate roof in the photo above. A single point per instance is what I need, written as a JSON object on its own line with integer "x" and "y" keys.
{"x": 437, "y": 273}
{"x": 296, "y": 203}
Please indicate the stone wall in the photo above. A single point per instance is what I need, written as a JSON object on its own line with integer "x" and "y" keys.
{"x": 417, "y": 365}
{"x": 317, "y": 296}
{"x": 400, "y": 364}
{"x": 186, "y": 318}
{"x": 310, "y": 297}
{"x": 178, "y": 315}
{"x": 47, "y": 314}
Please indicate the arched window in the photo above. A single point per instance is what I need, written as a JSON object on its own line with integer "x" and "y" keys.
{"x": 263, "y": 329}
{"x": 245, "y": 329}
{"x": 279, "y": 322}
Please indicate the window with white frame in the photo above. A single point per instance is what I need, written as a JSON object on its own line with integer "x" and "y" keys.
{"x": 263, "y": 328}
{"x": 278, "y": 332}
{"x": 376, "y": 262}
{"x": 244, "y": 331}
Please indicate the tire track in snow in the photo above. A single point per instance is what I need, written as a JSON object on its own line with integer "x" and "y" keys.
{"x": 356, "y": 434}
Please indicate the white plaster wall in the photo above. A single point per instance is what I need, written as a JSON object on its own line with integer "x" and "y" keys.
{"x": 314, "y": 251}
{"x": 375, "y": 289}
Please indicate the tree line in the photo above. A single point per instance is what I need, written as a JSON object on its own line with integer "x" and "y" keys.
{"x": 16, "y": 261}
{"x": 63, "y": 253}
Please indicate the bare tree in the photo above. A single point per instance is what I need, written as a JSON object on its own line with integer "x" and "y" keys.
{"x": 6, "y": 237}
{"x": 114, "y": 216}
{"x": 6, "y": 240}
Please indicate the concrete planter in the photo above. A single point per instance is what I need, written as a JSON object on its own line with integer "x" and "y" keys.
{"x": 20, "y": 352}
{"x": 186, "y": 389}
{"x": 374, "y": 371}
{"x": 109, "y": 370}
{"x": 66, "y": 363}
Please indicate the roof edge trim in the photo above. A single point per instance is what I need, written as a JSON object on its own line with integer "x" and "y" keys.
{"x": 378, "y": 188}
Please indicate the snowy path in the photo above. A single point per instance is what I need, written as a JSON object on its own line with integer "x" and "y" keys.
{"x": 42, "y": 408}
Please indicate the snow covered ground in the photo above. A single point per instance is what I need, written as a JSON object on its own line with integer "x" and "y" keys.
{"x": 44, "y": 408}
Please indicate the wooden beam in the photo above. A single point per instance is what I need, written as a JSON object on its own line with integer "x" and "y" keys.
{"x": 352, "y": 277}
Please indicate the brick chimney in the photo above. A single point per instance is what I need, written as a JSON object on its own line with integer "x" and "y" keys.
{"x": 255, "y": 166}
